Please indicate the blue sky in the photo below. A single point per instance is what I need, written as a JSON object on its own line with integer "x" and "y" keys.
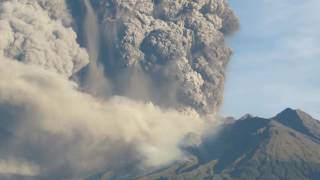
{"x": 276, "y": 60}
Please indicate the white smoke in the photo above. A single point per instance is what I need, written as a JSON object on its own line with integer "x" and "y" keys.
{"x": 65, "y": 131}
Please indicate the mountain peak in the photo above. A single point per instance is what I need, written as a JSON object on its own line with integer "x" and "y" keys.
{"x": 287, "y": 111}
{"x": 283, "y": 147}
{"x": 300, "y": 121}
{"x": 247, "y": 116}
{"x": 289, "y": 114}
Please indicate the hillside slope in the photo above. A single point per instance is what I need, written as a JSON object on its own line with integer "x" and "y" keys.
{"x": 286, "y": 146}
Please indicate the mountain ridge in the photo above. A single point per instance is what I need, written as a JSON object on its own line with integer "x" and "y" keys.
{"x": 285, "y": 146}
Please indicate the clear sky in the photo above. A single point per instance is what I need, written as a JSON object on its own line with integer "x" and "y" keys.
{"x": 276, "y": 60}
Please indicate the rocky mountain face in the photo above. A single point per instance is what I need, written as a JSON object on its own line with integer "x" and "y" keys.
{"x": 284, "y": 147}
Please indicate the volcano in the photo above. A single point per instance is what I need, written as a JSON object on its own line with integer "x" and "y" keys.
{"x": 286, "y": 146}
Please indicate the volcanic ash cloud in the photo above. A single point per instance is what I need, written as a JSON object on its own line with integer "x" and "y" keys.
{"x": 32, "y": 33}
{"x": 178, "y": 44}
{"x": 48, "y": 122}
{"x": 162, "y": 61}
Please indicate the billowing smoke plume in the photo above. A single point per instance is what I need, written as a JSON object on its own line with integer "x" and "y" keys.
{"x": 178, "y": 44}
{"x": 32, "y": 32}
{"x": 160, "y": 63}
{"x": 47, "y": 122}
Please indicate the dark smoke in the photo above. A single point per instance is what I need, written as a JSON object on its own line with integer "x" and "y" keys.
{"x": 178, "y": 44}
